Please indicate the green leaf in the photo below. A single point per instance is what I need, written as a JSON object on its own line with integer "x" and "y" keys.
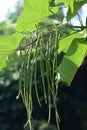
{"x": 34, "y": 11}
{"x": 2, "y": 61}
{"x": 72, "y": 60}
{"x": 74, "y": 7}
{"x": 66, "y": 42}
{"x": 7, "y": 45}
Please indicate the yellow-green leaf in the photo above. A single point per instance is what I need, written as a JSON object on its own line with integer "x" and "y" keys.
{"x": 7, "y": 45}
{"x": 66, "y": 42}
{"x": 34, "y": 11}
{"x": 72, "y": 60}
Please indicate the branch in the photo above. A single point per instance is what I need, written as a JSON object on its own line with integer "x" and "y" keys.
{"x": 31, "y": 43}
{"x": 46, "y": 35}
{"x": 80, "y": 27}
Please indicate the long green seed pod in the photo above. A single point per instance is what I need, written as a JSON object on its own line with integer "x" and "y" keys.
{"x": 35, "y": 72}
{"x": 42, "y": 69}
{"x": 55, "y": 66}
{"x": 48, "y": 72}
{"x": 49, "y": 88}
{"x": 28, "y": 74}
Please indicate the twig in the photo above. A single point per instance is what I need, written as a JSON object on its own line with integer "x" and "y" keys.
{"x": 46, "y": 35}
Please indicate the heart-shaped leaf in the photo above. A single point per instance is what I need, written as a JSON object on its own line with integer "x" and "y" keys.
{"x": 34, "y": 11}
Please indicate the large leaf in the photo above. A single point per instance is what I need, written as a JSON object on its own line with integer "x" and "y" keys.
{"x": 72, "y": 59}
{"x": 7, "y": 45}
{"x": 34, "y": 11}
{"x": 66, "y": 42}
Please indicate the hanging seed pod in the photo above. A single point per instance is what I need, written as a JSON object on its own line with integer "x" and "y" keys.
{"x": 25, "y": 82}
{"x": 46, "y": 50}
{"x": 35, "y": 72}
{"x": 48, "y": 72}
{"x": 42, "y": 68}
{"x": 55, "y": 64}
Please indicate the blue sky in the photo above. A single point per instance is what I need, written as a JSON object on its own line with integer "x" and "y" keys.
{"x": 83, "y": 14}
